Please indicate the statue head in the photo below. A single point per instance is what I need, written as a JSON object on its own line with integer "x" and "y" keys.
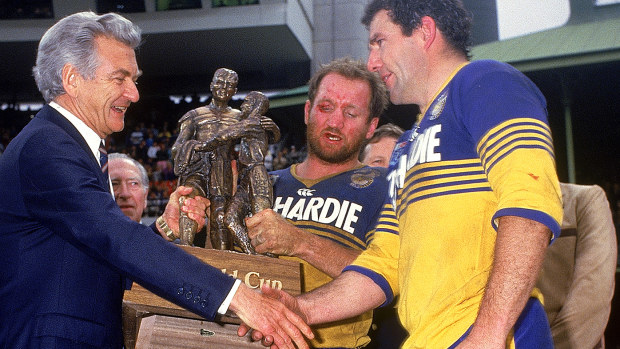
{"x": 224, "y": 84}
{"x": 255, "y": 102}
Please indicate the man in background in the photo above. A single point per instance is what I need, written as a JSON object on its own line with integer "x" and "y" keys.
{"x": 378, "y": 150}
{"x": 578, "y": 273}
{"x": 130, "y": 183}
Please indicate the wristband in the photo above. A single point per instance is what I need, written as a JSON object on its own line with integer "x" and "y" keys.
{"x": 165, "y": 228}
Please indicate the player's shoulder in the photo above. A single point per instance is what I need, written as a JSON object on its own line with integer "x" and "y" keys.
{"x": 375, "y": 171}
{"x": 486, "y": 69}
{"x": 487, "y": 65}
{"x": 279, "y": 175}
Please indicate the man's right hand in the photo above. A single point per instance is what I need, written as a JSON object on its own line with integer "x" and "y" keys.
{"x": 272, "y": 233}
{"x": 195, "y": 206}
{"x": 269, "y": 317}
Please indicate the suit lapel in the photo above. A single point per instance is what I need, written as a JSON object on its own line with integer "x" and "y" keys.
{"x": 52, "y": 115}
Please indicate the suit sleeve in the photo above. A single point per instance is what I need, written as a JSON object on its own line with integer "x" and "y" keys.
{"x": 61, "y": 189}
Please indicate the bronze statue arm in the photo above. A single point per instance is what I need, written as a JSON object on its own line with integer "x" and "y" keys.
{"x": 183, "y": 156}
{"x": 183, "y": 146}
{"x": 244, "y": 128}
{"x": 273, "y": 131}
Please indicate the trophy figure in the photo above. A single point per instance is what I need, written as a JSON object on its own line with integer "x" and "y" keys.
{"x": 203, "y": 154}
{"x": 254, "y": 190}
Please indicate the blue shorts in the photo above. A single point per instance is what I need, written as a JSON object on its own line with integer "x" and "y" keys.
{"x": 531, "y": 329}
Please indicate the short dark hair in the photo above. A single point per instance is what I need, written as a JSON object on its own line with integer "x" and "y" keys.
{"x": 452, "y": 19}
{"x": 383, "y": 131}
{"x": 356, "y": 70}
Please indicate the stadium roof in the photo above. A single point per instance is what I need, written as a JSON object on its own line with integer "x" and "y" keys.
{"x": 570, "y": 45}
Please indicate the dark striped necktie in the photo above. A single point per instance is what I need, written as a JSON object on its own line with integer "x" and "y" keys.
{"x": 103, "y": 160}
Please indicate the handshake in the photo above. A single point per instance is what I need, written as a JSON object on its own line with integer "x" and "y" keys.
{"x": 282, "y": 320}
{"x": 278, "y": 322}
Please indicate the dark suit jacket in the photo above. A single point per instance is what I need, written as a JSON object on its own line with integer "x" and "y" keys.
{"x": 65, "y": 247}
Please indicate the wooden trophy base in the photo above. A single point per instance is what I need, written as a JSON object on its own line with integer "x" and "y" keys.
{"x": 150, "y": 321}
{"x": 167, "y": 332}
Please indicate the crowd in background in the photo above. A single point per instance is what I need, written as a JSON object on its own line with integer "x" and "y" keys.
{"x": 149, "y": 140}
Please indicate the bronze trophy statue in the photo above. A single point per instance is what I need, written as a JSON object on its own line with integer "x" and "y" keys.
{"x": 203, "y": 153}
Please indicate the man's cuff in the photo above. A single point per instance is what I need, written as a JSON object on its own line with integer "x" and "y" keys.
{"x": 224, "y": 307}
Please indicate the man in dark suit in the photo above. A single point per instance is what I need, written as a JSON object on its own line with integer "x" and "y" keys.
{"x": 65, "y": 246}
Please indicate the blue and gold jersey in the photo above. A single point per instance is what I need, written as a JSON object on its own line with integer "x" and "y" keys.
{"x": 481, "y": 150}
{"x": 343, "y": 208}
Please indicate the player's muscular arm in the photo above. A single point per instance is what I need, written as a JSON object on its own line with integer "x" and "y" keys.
{"x": 325, "y": 255}
{"x": 519, "y": 253}
{"x": 270, "y": 232}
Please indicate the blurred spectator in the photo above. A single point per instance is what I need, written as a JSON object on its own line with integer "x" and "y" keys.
{"x": 269, "y": 159}
{"x": 130, "y": 183}
{"x": 165, "y": 168}
{"x": 136, "y": 136}
{"x": 293, "y": 155}
{"x": 141, "y": 151}
{"x": 280, "y": 161}
{"x": 164, "y": 130}
{"x": 150, "y": 138}
{"x": 152, "y": 151}
{"x": 378, "y": 150}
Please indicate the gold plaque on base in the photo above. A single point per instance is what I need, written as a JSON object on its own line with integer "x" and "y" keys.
{"x": 253, "y": 270}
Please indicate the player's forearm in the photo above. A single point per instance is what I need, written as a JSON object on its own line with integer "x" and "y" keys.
{"x": 519, "y": 253}
{"x": 349, "y": 295}
{"x": 325, "y": 255}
